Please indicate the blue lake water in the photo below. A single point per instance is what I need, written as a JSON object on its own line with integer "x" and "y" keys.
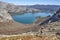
{"x": 28, "y": 18}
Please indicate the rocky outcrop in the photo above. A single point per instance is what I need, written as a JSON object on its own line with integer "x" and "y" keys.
{"x": 5, "y": 16}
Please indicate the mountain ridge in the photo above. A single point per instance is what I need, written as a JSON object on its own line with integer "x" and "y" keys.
{"x": 53, "y": 18}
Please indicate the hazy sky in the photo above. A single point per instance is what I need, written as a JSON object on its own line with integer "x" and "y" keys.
{"x": 32, "y": 2}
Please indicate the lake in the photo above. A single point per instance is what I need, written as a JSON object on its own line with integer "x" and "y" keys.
{"x": 28, "y": 18}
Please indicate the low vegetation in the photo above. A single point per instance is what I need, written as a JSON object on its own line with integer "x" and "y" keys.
{"x": 30, "y": 37}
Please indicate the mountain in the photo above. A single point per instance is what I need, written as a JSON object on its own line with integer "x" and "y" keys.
{"x": 54, "y": 18}
{"x": 48, "y": 8}
{"x": 16, "y": 9}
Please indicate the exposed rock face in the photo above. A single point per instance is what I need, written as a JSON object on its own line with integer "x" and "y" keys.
{"x": 4, "y": 16}
{"x": 54, "y": 18}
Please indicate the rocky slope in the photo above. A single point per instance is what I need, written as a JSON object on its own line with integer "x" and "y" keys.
{"x": 54, "y": 27}
{"x": 54, "y": 18}
{"x": 52, "y": 24}
{"x": 5, "y": 16}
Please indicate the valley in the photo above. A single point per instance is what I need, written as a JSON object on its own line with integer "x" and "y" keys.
{"x": 46, "y": 26}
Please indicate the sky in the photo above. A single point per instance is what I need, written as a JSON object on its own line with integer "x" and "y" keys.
{"x": 33, "y": 2}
